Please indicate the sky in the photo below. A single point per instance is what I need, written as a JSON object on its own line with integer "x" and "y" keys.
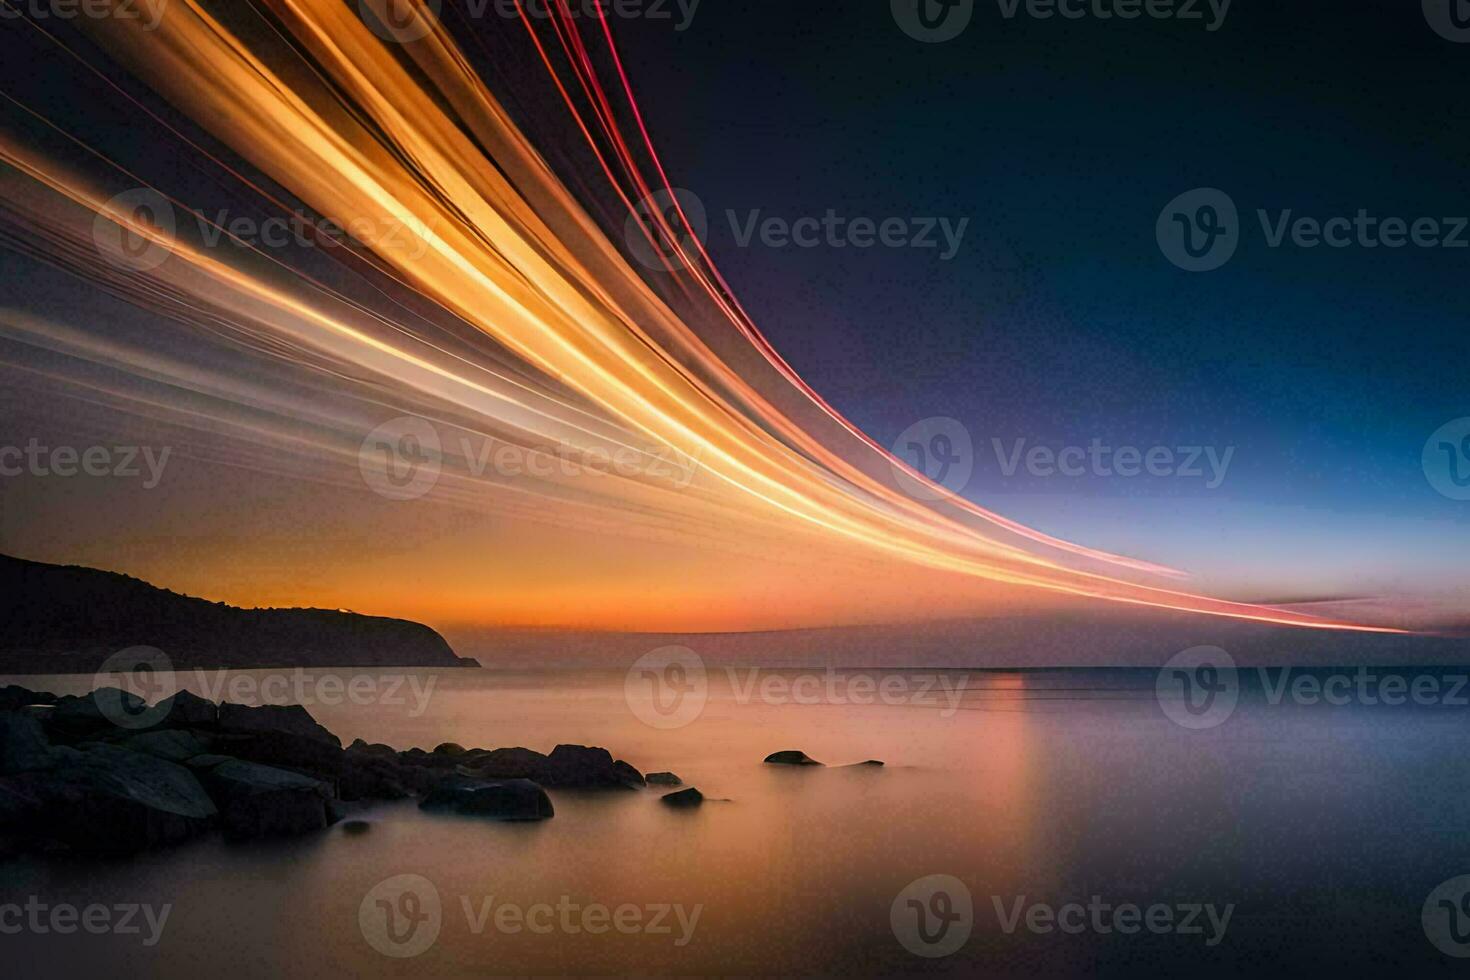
{"x": 1291, "y": 391}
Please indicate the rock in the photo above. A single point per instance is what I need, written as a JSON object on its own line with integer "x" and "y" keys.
{"x": 868, "y": 763}
{"x": 14, "y": 697}
{"x": 92, "y": 714}
{"x": 166, "y": 743}
{"x": 290, "y": 719}
{"x": 663, "y": 779}
{"x": 503, "y": 799}
{"x": 683, "y": 798}
{"x": 287, "y": 750}
{"x": 263, "y": 801}
{"x": 23, "y": 744}
{"x": 365, "y": 750}
{"x": 449, "y": 748}
{"x": 369, "y": 778}
{"x": 581, "y": 767}
{"x": 791, "y": 757}
{"x": 110, "y": 800}
{"x": 186, "y": 710}
{"x": 356, "y": 828}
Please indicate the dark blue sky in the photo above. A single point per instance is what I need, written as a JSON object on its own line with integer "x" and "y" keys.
{"x": 1060, "y": 320}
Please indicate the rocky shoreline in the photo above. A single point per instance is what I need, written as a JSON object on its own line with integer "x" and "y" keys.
{"x": 107, "y": 774}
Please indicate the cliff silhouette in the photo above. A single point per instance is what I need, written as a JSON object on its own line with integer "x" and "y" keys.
{"x": 67, "y": 618}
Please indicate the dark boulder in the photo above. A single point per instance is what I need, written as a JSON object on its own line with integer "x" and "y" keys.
{"x": 371, "y": 750}
{"x": 290, "y": 719}
{"x": 583, "y": 767}
{"x": 263, "y": 801}
{"x": 663, "y": 779}
{"x": 14, "y": 697}
{"x": 449, "y": 748}
{"x": 791, "y": 757}
{"x": 102, "y": 711}
{"x": 368, "y": 778}
{"x": 683, "y": 798}
{"x": 186, "y": 710}
{"x": 502, "y": 799}
{"x": 288, "y": 750}
{"x": 110, "y": 800}
{"x": 356, "y": 828}
{"x": 166, "y": 743}
{"x": 23, "y": 744}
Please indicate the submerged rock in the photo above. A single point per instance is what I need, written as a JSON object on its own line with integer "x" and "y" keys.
{"x": 567, "y": 767}
{"x": 791, "y": 757}
{"x": 663, "y": 779}
{"x": 502, "y": 799}
{"x": 356, "y": 828}
{"x": 14, "y": 697}
{"x": 683, "y": 798}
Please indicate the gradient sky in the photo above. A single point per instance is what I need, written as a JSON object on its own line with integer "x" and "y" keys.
{"x": 1058, "y": 322}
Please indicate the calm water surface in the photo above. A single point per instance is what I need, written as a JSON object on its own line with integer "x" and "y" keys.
{"x": 1324, "y": 829}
